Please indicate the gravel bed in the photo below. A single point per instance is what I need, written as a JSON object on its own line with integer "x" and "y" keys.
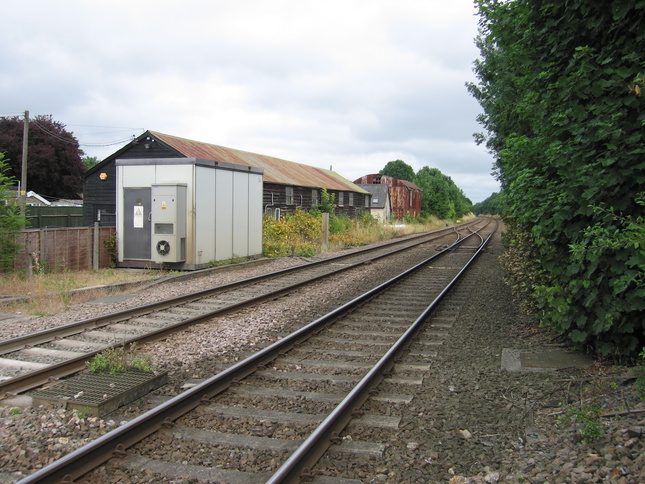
{"x": 470, "y": 422}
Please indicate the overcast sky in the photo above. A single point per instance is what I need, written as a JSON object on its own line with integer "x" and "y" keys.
{"x": 347, "y": 84}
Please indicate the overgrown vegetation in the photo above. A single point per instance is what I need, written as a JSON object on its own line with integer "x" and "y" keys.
{"x": 561, "y": 88}
{"x": 112, "y": 247}
{"x": 300, "y": 234}
{"x": 587, "y": 418}
{"x": 51, "y": 293}
{"x": 10, "y": 220}
{"x": 226, "y": 262}
{"x": 120, "y": 359}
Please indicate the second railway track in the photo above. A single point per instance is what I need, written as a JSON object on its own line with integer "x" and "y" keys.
{"x": 271, "y": 417}
{"x": 34, "y": 359}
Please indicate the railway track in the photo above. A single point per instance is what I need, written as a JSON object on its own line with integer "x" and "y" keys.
{"x": 280, "y": 414}
{"x": 34, "y": 359}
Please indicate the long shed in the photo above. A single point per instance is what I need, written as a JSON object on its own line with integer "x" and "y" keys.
{"x": 286, "y": 185}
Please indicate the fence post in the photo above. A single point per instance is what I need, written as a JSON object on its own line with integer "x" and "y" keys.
{"x": 95, "y": 248}
{"x": 30, "y": 260}
{"x": 324, "y": 236}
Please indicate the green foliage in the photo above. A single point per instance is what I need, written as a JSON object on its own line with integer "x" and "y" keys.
{"x": 587, "y": 417}
{"x": 119, "y": 359}
{"x": 493, "y": 205}
{"x": 297, "y": 234}
{"x": 300, "y": 233}
{"x": 113, "y": 249}
{"x": 327, "y": 203}
{"x": 90, "y": 161}
{"x": 54, "y": 163}
{"x": 440, "y": 196}
{"x": 232, "y": 260}
{"x": 10, "y": 220}
{"x": 560, "y": 85}
{"x": 398, "y": 169}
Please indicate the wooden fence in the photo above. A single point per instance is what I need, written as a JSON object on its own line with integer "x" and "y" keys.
{"x": 62, "y": 249}
{"x": 41, "y": 217}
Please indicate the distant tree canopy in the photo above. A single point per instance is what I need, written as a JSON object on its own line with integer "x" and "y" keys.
{"x": 440, "y": 196}
{"x": 561, "y": 85}
{"x": 54, "y": 166}
{"x": 398, "y": 169}
{"x": 90, "y": 161}
{"x": 493, "y": 205}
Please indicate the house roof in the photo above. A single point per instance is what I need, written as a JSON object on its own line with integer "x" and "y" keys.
{"x": 386, "y": 180}
{"x": 379, "y": 193}
{"x": 276, "y": 170}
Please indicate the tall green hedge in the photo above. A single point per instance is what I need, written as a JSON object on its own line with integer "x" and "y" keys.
{"x": 560, "y": 84}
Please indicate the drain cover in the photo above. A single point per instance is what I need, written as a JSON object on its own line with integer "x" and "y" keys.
{"x": 98, "y": 394}
{"x": 536, "y": 361}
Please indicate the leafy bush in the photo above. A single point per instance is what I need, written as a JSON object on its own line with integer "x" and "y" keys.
{"x": 10, "y": 221}
{"x": 561, "y": 88}
{"x": 297, "y": 234}
{"x": 119, "y": 359}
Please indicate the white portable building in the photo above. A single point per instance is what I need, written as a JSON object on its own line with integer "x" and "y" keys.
{"x": 182, "y": 213}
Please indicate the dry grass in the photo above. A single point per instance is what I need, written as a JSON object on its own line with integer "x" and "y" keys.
{"x": 52, "y": 293}
{"x": 362, "y": 235}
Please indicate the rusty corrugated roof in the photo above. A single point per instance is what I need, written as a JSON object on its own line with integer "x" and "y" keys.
{"x": 275, "y": 170}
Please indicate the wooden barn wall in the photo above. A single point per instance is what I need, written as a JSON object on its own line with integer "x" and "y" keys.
{"x": 101, "y": 194}
{"x": 62, "y": 249}
{"x": 275, "y": 196}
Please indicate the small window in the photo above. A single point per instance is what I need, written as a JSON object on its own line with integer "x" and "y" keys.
{"x": 374, "y": 200}
{"x": 289, "y": 194}
{"x": 350, "y": 200}
{"x": 314, "y": 198}
{"x": 341, "y": 202}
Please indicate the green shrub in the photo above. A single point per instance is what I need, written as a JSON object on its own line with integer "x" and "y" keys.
{"x": 119, "y": 359}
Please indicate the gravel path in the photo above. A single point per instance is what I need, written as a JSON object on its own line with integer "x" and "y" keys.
{"x": 470, "y": 422}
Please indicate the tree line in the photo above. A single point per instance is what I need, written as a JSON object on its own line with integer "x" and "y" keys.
{"x": 560, "y": 84}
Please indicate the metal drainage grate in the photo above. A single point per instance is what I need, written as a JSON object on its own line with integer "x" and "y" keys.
{"x": 98, "y": 394}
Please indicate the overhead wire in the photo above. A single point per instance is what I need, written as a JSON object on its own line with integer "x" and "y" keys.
{"x": 36, "y": 123}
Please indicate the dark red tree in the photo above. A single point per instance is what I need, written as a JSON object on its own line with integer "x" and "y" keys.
{"x": 54, "y": 166}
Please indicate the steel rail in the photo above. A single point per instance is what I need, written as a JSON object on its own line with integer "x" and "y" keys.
{"x": 55, "y": 371}
{"x": 76, "y": 327}
{"x": 300, "y": 463}
{"x": 93, "y": 454}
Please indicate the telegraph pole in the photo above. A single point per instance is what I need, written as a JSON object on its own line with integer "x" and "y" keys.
{"x": 23, "y": 177}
